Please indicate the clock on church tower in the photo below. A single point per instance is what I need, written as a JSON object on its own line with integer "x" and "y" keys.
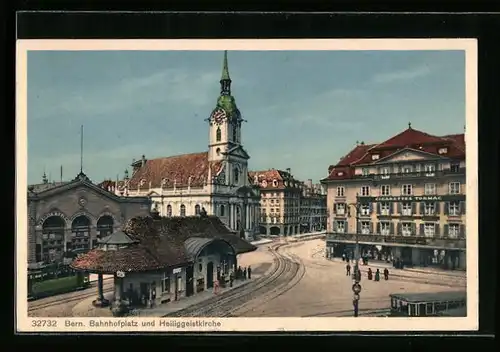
{"x": 219, "y": 116}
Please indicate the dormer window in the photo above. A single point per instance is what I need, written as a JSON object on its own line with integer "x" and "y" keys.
{"x": 142, "y": 182}
{"x": 275, "y": 183}
{"x": 443, "y": 150}
{"x": 365, "y": 171}
{"x": 375, "y": 156}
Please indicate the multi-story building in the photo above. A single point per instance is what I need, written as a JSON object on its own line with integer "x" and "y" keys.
{"x": 279, "y": 203}
{"x": 410, "y": 193}
{"x": 215, "y": 180}
{"x": 312, "y": 207}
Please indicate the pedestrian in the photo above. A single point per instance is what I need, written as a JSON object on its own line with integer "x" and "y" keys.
{"x": 377, "y": 275}
{"x": 343, "y": 257}
{"x": 386, "y": 274}
{"x": 348, "y": 269}
{"x": 240, "y": 273}
{"x": 245, "y": 274}
{"x": 231, "y": 279}
{"x": 370, "y": 274}
{"x": 249, "y": 272}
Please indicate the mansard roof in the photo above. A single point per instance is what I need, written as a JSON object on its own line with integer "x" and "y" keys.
{"x": 409, "y": 138}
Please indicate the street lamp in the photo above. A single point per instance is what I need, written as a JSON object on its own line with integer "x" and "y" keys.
{"x": 356, "y": 287}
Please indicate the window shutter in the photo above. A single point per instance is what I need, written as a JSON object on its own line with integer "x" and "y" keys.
{"x": 392, "y": 228}
{"x": 413, "y": 227}
{"x": 400, "y": 230}
{"x": 335, "y": 226}
{"x": 370, "y": 207}
{"x": 391, "y": 208}
{"x": 371, "y": 227}
{"x": 422, "y": 208}
{"x": 399, "y": 208}
{"x": 379, "y": 206}
{"x": 422, "y": 230}
{"x": 436, "y": 208}
{"x": 335, "y": 208}
{"x": 436, "y": 229}
{"x": 462, "y": 231}
{"x": 446, "y": 208}
{"x": 378, "y": 227}
{"x": 413, "y": 206}
{"x": 446, "y": 231}
{"x": 462, "y": 207}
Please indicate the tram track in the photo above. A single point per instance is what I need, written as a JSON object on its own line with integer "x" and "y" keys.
{"x": 58, "y": 300}
{"x": 283, "y": 271}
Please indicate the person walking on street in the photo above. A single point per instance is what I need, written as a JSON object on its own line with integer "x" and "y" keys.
{"x": 386, "y": 274}
{"x": 348, "y": 269}
{"x": 377, "y": 275}
{"x": 245, "y": 274}
{"x": 231, "y": 279}
{"x": 370, "y": 274}
{"x": 249, "y": 272}
{"x": 343, "y": 257}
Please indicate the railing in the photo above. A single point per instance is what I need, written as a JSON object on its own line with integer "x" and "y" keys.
{"x": 441, "y": 241}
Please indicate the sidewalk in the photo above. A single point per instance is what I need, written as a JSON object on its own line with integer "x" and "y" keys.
{"x": 185, "y": 302}
{"x": 417, "y": 270}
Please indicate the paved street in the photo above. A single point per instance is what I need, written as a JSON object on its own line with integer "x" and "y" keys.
{"x": 325, "y": 290}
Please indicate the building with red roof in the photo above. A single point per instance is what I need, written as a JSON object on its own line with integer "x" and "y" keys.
{"x": 215, "y": 180}
{"x": 408, "y": 195}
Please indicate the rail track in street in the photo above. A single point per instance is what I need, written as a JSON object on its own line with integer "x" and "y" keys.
{"x": 286, "y": 272}
{"x": 66, "y": 298}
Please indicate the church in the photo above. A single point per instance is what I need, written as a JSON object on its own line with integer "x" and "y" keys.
{"x": 216, "y": 181}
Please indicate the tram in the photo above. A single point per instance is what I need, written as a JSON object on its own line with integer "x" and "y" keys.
{"x": 449, "y": 303}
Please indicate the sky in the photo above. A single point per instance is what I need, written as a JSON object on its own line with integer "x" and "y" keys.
{"x": 304, "y": 109}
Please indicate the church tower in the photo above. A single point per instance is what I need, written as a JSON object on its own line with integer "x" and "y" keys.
{"x": 224, "y": 121}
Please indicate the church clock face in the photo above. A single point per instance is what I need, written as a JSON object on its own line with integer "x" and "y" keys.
{"x": 219, "y": 116}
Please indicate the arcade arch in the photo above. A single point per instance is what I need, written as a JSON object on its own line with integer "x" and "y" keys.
{"x": 51, "y": 247}
{"x": 80, "y": 231}
{"x": 105, "y": 226}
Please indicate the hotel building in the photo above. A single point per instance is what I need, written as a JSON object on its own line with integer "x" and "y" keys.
{"x": 410, "y": 193}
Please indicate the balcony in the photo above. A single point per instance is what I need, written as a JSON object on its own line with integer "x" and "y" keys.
{"x": 432, "y": 242}
{"x": 410, "y": 175}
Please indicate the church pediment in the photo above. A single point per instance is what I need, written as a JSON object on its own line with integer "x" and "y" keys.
{"x": 409, "y": 155}
{"x": 238, "y": 152}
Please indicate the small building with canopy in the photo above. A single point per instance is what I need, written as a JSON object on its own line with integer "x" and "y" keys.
{"x": 156, "y": 260}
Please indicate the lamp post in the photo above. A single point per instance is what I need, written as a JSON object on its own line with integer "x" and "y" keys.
{"x": 356, "y": 287}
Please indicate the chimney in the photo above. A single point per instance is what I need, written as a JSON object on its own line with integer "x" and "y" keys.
{"x": 143, "y": 160}
{"x": 289, "y": 170}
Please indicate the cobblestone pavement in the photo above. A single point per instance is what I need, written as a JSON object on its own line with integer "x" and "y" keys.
{"x": 325, "y": 290}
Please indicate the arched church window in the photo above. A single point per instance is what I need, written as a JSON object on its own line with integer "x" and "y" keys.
{"x": 169, "y": 210}
{"x": 197, "y": 209}
{"x": 236, "y": 173}
{"x": 235, "y": 133}
{"x": 183, "y": 210}
{"x": 221, "y": 210}
{"x": 218, "y": 134}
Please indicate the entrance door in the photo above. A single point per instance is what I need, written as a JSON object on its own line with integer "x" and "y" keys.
{"x": 144, "y": 292}
{"x": 210, "y": 275}
{"x": 189, "y": 281}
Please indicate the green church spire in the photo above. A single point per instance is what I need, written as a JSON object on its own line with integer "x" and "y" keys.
{"x": 225, "y": 69}
{"x": 225, "y": 80}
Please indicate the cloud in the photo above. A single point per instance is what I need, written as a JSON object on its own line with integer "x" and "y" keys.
{"x": 325, "y": 110}
{"x": 403, "y": 75}
{"x": 170, "y": 86}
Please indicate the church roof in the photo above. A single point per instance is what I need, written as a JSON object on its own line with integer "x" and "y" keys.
{"x": 183, "y": 170}
{"x": 161, "y": 243}
{"x": 409, "y": 138}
